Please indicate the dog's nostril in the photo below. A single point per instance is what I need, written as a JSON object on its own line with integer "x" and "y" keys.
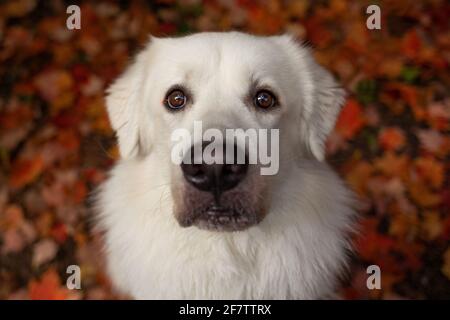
{"x": 232, "y": 174}
{"x": 192, "y": 169}
{"x": 234, "y": 168}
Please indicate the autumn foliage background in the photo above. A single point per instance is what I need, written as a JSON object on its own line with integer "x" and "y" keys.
{"x": 391, "y": 142}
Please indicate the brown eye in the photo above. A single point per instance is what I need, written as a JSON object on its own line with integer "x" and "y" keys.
{"x": 176, "y": 99}
{"x": 264, "y": 99}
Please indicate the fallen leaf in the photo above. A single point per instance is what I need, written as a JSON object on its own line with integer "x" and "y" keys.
{"x": 446, "y": 264}
{"x": 13, "y": 241}
{"x": 431, "y": 170}
{"x": 432, "y": 226}
{"x": 44, "y": 251}
{"x": 25, "y": 172}
{"x": 47, "y": 288}
{"x": 411, "y": 44}
{"x": 391, "y": 138}
{"x": 431, "y": 140}
{"x": 351, "y": 119}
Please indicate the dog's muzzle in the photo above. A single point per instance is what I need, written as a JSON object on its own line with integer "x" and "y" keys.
{"x": 217, "y": 184}
{"x": 215, "y": 178}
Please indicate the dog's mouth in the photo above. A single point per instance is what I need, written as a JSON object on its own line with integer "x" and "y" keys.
{"x": 222, "y": 218}
{"x": 236, "y": 209}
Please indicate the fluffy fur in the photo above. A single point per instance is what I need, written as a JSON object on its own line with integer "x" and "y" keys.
{"x": 298, "y": 250}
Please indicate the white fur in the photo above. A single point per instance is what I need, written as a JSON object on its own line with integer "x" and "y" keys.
{"x": 299, "y": 249}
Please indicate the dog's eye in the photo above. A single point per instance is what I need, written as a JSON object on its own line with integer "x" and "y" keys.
{"x": 176, "y": 99}
{"x": 264, "y": 99}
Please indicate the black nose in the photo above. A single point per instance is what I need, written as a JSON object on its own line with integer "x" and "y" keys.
{"x": 215, "y": 178}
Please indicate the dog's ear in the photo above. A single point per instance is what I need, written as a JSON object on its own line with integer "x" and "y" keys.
{"x": 323, "y": 98}
{"x": 322, "y": 113}
{"x": 124, "y": 103}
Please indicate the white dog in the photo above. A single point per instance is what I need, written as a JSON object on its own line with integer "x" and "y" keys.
{"x": 196, "y": 232}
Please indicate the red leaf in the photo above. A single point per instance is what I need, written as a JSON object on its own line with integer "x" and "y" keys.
{"x": 411, "y": 44}
{"x": 79, "y": 191}
{"x": 317, "y": 33}
{"x": 59, "y": 232}
{"x": 25, "y": 171}
{"x": 351, "y": 119}
{"x": 48, "y": 288}
{"x": 391, "y": 138}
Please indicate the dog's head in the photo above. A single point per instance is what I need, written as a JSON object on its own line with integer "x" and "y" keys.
{"x": 223, "y": 81}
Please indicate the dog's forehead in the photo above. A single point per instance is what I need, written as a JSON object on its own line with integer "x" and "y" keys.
{"x": 216, "y": 52}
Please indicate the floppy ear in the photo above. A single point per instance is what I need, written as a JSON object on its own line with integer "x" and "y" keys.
{"x": 327, "y": 101}
{"x": 323, "y": 98}
{"x": 125, "y": 106}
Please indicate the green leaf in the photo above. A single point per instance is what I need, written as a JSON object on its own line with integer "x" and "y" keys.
{"x": 409, "y": 74}
{"x": 366, "y": 91}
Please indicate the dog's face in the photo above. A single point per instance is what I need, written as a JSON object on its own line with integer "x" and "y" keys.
{"x": 226, "y": 81}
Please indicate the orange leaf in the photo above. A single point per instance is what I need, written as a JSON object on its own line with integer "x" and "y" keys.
{"x": 403, "y": 225}
{"x": 393, "y": 165}
{"x": 422, "y": 195}
{"x": 430, "y": 170}
{"x": 411, "y": 44}
{"x": 446, "y": 265}
{"x": 25, "y": 171}
{"x": 15, "y": 118}
{"x": 59, "y": 232}
{"x": 359, "y": 175}
{"x": 391, "y": 138}
{"x": 390, "y": 67}
{"x": 317, "y": 32}
{"x": 12, "y": 217}
{"x": 79, "y": 191}
{"x": 432, "y": 225}
{"x": 69, "y": 140}
{"x": 48, "y": 288}
{"x": 409, "y": 94}
{"x": 351, "y": 119}
{"x": 394, "y": 92}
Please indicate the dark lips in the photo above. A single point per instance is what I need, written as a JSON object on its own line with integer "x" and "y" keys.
{"x": 218, "y": 210}
{"x": 223, "y": 219}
